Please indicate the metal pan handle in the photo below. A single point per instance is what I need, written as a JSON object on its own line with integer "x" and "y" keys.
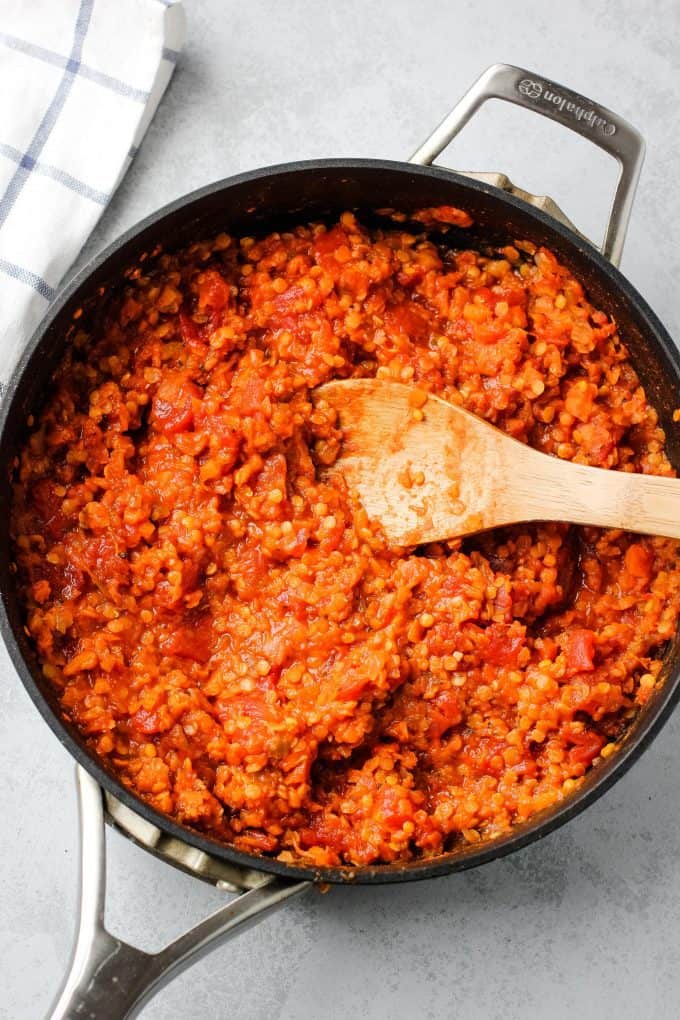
{"x": 112, "y": 980}
{"x": 587, "y": 118}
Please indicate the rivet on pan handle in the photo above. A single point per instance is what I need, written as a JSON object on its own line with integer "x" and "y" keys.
{"x": 599, "y": 125}
{"x": 111, "y": 980}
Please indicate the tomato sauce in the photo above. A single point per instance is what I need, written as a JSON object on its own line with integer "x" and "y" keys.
{"x": 238, "y": 642}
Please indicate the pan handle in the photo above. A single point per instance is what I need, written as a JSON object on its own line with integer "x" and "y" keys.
{"x": 591, "y": 120}
{"x": 111, "y": 980}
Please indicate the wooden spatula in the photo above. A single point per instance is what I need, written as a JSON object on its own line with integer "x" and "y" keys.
{"x": 428, "y": 470}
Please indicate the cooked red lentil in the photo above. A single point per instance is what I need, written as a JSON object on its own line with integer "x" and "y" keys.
{"x": 234, "y": 638}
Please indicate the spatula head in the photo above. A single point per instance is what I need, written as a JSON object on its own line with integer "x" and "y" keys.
{"x": 425, "y": 469}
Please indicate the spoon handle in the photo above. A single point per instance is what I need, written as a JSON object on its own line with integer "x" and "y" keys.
{"x": 554, "y": 489}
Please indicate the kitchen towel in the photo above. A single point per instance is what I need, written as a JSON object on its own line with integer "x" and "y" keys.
{"x": 80, "y": 81}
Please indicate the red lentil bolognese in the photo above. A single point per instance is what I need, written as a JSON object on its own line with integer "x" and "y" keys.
{"x": 235, "y": 639}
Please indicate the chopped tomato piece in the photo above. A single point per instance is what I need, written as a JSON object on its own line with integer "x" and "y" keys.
{"x": 638, "y": 560}
{"x": 193, "y": 641}
{"x": 47, "y": 506}
{"x": 329, "y": 241}
{"x": 407, "y": 319}
{"x": 353, "y": 688}
{"x": 189, "y": 330}
{"x": 504, "y": 644}
{"x": 146, "y": 722}
{"x": 213, "y": 291}
{"x": 581, "y": 651}
{"x": 587, "y": 745}
{"x": 272, "y": 477}
{"x": 172, "y": 409}
{"x": 445, "y": 714}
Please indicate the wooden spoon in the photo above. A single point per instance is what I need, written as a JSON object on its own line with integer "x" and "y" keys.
{"x": 428, "y": 470}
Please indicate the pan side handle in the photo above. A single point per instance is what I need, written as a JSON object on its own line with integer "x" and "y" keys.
{"x": 592, "y": 121}
{"x": 109, "y": 979}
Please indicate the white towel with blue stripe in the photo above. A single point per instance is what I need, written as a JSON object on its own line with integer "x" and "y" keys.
{"x": 80, "y": 81}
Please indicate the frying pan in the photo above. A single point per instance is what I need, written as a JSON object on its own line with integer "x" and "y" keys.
{"x": 108, "y": 977}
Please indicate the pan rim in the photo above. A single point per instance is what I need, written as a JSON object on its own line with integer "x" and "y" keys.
{"x": 606, "y": 774}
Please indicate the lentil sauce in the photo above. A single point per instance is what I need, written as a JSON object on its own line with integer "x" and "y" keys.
{"x": 233, "y": 637}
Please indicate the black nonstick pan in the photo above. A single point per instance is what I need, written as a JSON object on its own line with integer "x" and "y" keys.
{"x": 109, "y": 978}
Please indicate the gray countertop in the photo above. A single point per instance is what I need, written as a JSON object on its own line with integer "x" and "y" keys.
{"x": 586, "y": 923}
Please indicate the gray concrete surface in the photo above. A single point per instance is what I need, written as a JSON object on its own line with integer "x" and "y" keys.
{"x": 585, "y": 924}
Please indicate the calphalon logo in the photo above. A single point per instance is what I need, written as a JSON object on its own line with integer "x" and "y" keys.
{"x": 536, "y": 90}
{"x": 532, "y": 89}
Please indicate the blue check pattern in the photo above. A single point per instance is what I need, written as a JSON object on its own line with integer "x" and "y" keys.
{"x": 29, "y": 162}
